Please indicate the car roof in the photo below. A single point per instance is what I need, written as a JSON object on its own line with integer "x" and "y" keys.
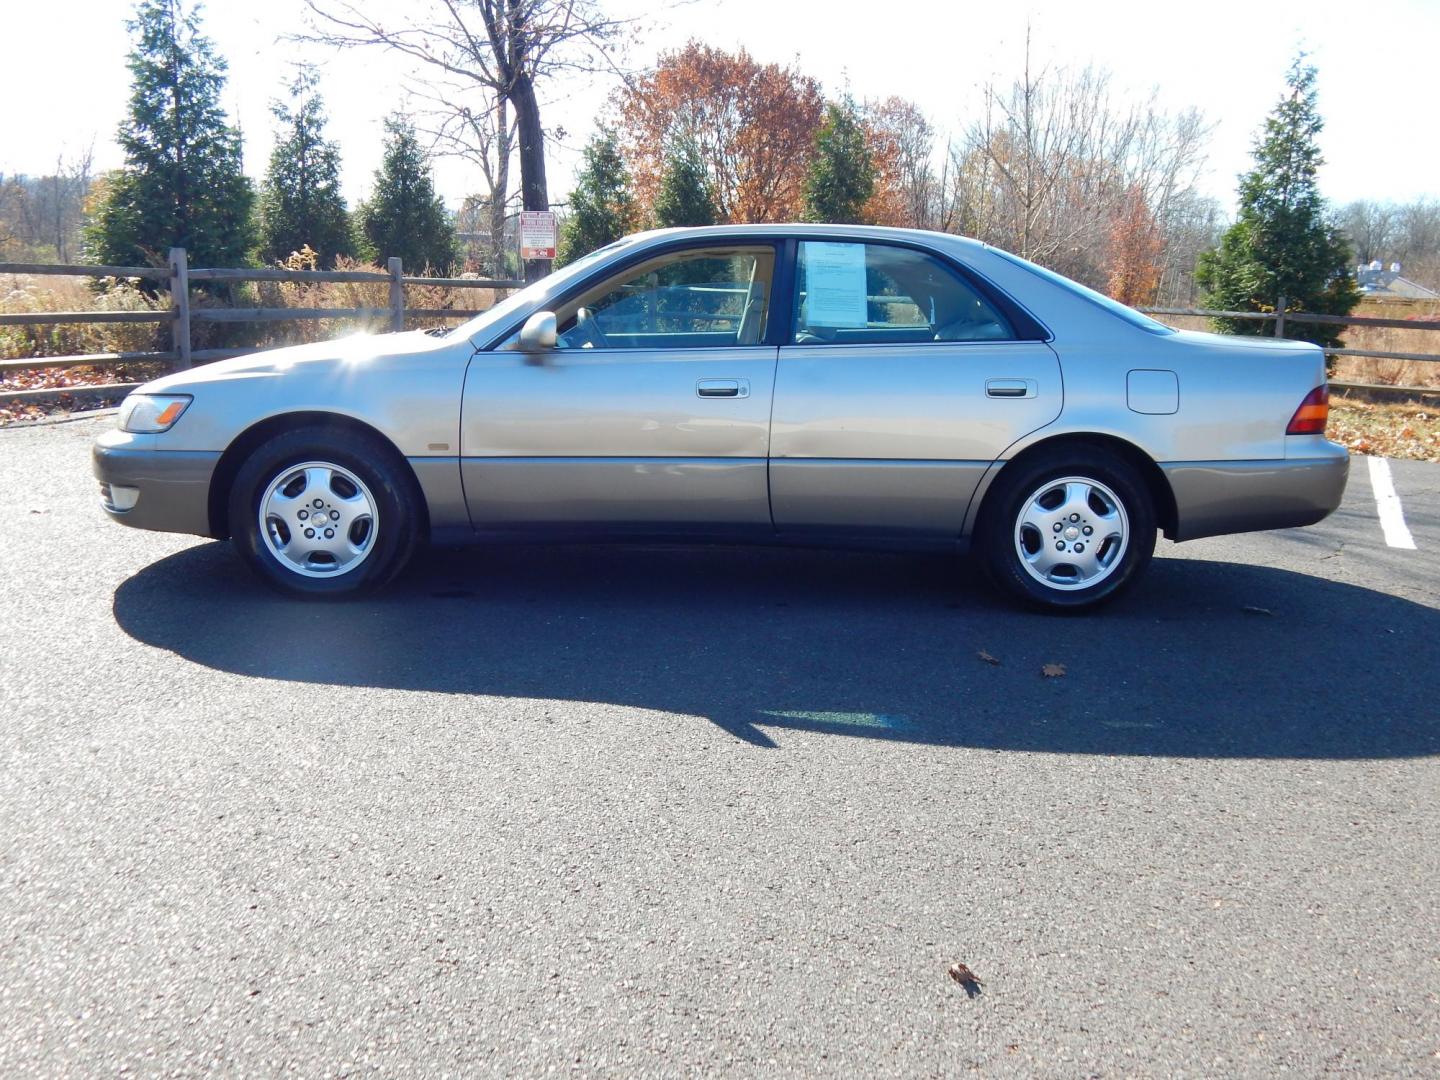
{"x": 801, "y": 230}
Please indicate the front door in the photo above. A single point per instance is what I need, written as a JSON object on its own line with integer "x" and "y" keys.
{"x": 902, "y": 384}
{"x": 652, "y": 413}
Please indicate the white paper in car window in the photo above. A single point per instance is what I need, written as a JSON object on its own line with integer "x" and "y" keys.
{"x": 835, "y": 284}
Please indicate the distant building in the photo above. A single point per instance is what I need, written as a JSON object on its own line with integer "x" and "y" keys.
{"x": 1381, "y": 283}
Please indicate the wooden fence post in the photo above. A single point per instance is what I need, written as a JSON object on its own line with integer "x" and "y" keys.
{"x": 1280, "y": 316}
{"x": 397, "y": 294}
{"x": 180, "y": 304}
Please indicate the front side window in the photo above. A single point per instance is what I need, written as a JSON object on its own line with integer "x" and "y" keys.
{"x": 700, "y": 298}
{"x": 857, "y": 294}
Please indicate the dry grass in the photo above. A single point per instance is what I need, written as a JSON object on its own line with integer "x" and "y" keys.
{"x": 23, "y": 293}
{"x": 1392, "y": 339}
{"x": 1369, "y": 369}
{"x": 363, "y": 294}
{"x": 1391, "y": 430}
{"x": 1366, "y": 369}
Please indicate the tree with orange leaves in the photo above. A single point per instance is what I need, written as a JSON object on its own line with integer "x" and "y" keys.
{"x": 1136, "y": 249}
{"x": 753, "y": 126}
{"x": 900, "y": 141}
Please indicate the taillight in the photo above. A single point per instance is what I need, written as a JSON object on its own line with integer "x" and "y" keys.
{"x": 1310, "y": 417}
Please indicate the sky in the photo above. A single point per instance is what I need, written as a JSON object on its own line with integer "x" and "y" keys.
{"x": 1226, "y": 58}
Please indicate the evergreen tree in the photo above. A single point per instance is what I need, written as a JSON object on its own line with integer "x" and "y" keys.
{"x": 602, "y": 209}
{"x": 403, "y": 216}
{"x": 300, "y": 200}
{"x": 685, "y": 196}
{"x": 1283, "y": 244}
{"x": 182, "y": 183}
{"x": 842, "y": 174}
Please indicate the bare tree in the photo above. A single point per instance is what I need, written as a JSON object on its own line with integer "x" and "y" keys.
{"x": 1192, "y": 223}
{"x": 1370, "y": 227}
{"x": 1418, "y": 241}
{"x": 65, "y": 202}
{"x": 1053, "y": 163}
{"x": 486, "y": 234}
{"x": 486, "y": 138}
{"x": 1408, "y": 233}
{"x": 1417, "y": 225}
{"x": 12, "y": 196}
{"x": 484, "y": 58}
{"x": 40, "y": 216}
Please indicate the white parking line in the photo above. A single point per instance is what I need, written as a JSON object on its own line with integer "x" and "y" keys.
{"x": 1387, "y": 503}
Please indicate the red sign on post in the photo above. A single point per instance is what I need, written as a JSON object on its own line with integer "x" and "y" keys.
{"x": 537, "y": 234}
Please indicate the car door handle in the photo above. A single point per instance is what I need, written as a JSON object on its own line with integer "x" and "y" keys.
{"x": 723, "y": 388}
{"x": 1016, "y": 388}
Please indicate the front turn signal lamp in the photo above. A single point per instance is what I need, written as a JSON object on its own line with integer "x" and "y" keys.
{"x": 149, "y": 414}
{"x": 1310, "y": 418}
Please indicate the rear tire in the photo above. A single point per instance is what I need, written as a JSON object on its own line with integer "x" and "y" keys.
{"x": 324, "y": 512}
{"x": 1067, "y": 531}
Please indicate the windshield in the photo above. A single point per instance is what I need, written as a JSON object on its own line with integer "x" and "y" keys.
{"x": 1129, "y": 314}
{"x": 534, "y": 291}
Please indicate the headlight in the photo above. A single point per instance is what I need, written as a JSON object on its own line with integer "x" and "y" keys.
{"x": 146, "y": 414}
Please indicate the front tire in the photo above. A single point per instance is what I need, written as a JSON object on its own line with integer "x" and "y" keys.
{"x": 1069, "y": 530}
{"x": 324, "y": 512}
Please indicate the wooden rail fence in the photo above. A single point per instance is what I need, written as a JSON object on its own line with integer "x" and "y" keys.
{"x": 1282, "y": 318}
{"x": 177, "y": 277}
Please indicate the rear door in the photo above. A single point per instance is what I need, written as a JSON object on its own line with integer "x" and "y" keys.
{"x": 652, "y": 413}
{"x": 903, "y": 381}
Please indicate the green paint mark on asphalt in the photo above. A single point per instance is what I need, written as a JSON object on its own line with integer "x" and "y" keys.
{"x": 841, "y": 719}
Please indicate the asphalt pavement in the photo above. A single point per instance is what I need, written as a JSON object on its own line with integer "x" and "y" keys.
{"x": 662, "y": 811}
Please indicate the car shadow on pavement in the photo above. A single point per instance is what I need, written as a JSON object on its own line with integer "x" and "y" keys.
{"x": 1203, "y": 658}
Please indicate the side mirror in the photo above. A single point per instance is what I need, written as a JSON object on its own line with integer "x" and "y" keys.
{"x": 539, "y": 333}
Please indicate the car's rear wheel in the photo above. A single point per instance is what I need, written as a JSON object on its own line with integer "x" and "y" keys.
{"x": 324, "y": 512}
{"x": 1068, "y": 531}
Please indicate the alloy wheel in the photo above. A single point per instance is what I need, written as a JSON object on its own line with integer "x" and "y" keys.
{"x": 318, "y": 519}
{"x": 1071, "y": 533}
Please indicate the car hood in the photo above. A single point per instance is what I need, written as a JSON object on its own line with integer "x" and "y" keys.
{"x": 357, "y": 351}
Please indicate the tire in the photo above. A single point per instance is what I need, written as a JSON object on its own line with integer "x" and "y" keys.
{"x": 1033, "y": 533}
{"x": 324, "y": 512}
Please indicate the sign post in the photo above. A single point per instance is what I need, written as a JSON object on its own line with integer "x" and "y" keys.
{"x": 537, "y": 242}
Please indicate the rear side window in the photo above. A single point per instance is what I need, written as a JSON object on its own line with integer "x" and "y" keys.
{"x": 1114, "y": 307}
{"x": 855, "y": 294}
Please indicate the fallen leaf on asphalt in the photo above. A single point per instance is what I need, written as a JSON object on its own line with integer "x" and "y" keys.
{"x": 1250, "y": 610}
{"x": 963, "y": 975}
{"x": 1053, "y": 671}
{"x": 983, "y": 655}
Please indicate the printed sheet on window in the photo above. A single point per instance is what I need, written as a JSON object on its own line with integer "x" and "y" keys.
{"x": 835, "y": 284}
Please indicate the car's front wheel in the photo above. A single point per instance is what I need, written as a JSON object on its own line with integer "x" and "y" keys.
{"x": 1068, "y": 531}
{"x": 323, "y": 512}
